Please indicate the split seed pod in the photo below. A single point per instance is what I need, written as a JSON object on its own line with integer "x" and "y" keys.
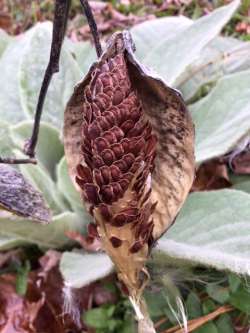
{"x": 129, "y": 145}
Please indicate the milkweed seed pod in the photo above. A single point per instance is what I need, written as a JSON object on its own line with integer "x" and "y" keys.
{"x": 129, "y": 144}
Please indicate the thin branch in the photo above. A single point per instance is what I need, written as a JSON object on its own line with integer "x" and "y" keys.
{"x": 59, "y": 27}
{"x": 92, "y": 26}
{"x": 13, "y": 160}
{"x": 198, "y": 322}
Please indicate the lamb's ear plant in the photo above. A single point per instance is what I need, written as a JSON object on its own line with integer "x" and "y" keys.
{"x": 129, "y": 144}
{"x": 212, "y": 228}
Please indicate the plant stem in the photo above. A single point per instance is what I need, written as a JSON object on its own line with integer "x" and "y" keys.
{"x": 92, "y": 26}
{"x": 59, "y": 27}
{"x": 12, "y": 160}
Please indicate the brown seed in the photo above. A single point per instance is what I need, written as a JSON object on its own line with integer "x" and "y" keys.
{"x": 116, "y": 242}
{"x": 121, "y": 164}
{"x": 91, "y": 192}
{"x": 118, "y": 96}
{"x": 94, "y": 131}
{"x": 105, "y": 171}
{"x": 127, "y": 125}
{"x": 118, "y": 150}
{"x": 107, "y": 194}
{"x": 108, "y": 156}
{"x": 105, "y": 212}
{"x": 97, "y": 161}
{"x": 84, "y": 173}
{"x": 100, "y": 144}
{"x": 136, "y": 247}
{"x": 92, "y": 230}
{"x": 98, "y": 179}
{"x": 126, "y": 216}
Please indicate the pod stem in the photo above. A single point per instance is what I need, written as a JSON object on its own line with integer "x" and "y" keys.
{"x": 145, "y": 324}
{"x": 92, "y": 25}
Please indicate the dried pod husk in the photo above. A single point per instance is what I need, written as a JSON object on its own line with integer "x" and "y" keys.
{"x": 129, "y": 145}
{"x": 19, "y": 197}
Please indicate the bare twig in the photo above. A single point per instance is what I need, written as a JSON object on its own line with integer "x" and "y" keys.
{"x": 92, "y": 26}
{"x": 59, "y": 27}
{"x": 13, "y": 160}
{"x": 196, "y": 323}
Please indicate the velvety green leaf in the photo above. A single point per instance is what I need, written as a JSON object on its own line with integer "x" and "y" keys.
{"x": 222, "y": 56}
{"x": 4, "y": 41}
{"x": 80, "y": 269}
{"x": 10, "y": 104}
{"x": 22, "y": 278}
{"x": 172, "y": 296}
{"x": 66, "y": 187}
{"x": 224, "y": 324}
{"x": 6, "y": 143}
{"x": 40, "y": 179}
{"x": 32, "y": 67}
{"x": 209, "y": 327}
{"x": 234, "y": 282}
{"x": 208, "y": 306}
{"x": 154, "y": 33}
{"x": 241, "y": 299}
{"x": 128, "y": 327}
{"x": 183, "y": 48}
{"x": 97, "y": 318}
{"x": 8, "y": 242}
{"x": 212, "y": 229}
{"x": 219, "y": 293}
{"x": 193, "y": 306}
{"x": 156, "y": 303}
{"x": 49, "y": 149}
{"x": 218, "y": 126}
{"x": 46, "y": 236}
{"x": 241, "y": 183}
{"x": 85, "y": 55}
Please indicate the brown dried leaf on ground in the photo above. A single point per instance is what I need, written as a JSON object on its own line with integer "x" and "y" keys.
{"x": 11, "y": 256}
{"x": 129, "y": 144}
{"x": 17, "y": 315}
{"x": 212, "y": 175}
{"x": 42, "y": 308}
{"x": 240, "y": 329}
{"x": 48, "y": 261}
{"x": 241, "y": 163}
{"x": 107, "y": 18}
{"x": 5, "y": 21}
{"x": 199, "y": 322}
{"x": 18, "y": 196}
{"x": 88, "y": 243}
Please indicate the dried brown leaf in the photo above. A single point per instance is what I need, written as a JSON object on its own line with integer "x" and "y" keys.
{"x": 11, "y": 256}
{"x": 48, "y": 261}
{"x": 194, "y": 324}
{"x": 17, "y": 315}
{"x": 241, "y": 163}
{"x": 41, "y": 309}
{"x": 212, "y": 175}
{"x": 18, "y": 196}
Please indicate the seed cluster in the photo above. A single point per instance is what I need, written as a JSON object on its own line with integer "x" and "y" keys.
{"x": 118, "y": 149}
